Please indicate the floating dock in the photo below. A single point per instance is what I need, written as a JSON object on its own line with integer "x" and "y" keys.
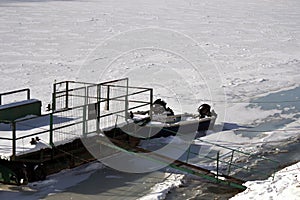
{"x": 80, "y": 119}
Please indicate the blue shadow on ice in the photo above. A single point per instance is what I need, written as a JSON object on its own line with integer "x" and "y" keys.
{"x": 286, "y": 102}
{"x": 231, "y": 126}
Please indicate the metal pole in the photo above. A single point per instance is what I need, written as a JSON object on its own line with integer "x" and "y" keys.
{"x": 54, "y": 97}
{"x": 98, "y": 104}
{"x": 86, "y": 103}
{"x": 51, "y": 130}
{"x": 126, "y": 101}
{"x": 67, "y": 94}
{"x": 151, "y": 103}
{"x": 28, "y": 94}
{"x": 107, "y": 97}
{"x": 218, "y": 156}
{"x": 229, "y": 167}
{"x": 13, "y": 125}
{"x": 84, "y": 114}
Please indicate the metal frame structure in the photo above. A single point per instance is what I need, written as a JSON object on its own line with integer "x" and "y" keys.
{"x": 63, "y": 103}
{"x": 78, "y": 106}
{"x": 27, "y": 90}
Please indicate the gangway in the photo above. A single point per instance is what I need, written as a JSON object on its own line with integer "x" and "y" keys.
{"x": 216, "y": 176}
{"x": 177, "y": 164}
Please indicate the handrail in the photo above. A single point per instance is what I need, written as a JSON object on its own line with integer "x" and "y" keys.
{"x": 15, "y": 91}
{"x": 239, "y": 151}
{"x": 65, "y": 90}
{"x": 228, "y": 163}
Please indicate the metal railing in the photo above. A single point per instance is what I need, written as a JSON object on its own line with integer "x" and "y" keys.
{"x": 27, "y": 90}
{"x": 70, "y": 111}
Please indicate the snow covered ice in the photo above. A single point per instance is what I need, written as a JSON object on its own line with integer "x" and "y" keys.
{"x": 245, "y": 50}
{"x": 285, "y": 185}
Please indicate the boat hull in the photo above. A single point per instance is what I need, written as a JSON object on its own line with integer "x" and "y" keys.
{"x": 152, "y": 130}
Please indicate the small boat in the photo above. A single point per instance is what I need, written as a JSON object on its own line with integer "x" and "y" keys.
{"x": 160, "y": 121}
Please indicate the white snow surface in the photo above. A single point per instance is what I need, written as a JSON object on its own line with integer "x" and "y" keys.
{"x": 284, "y": 185}
{"x": 242, "y": 50}
{"x": 160, "y": 190}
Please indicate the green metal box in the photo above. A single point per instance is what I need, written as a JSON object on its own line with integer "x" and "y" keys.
{"x": 17, "y": 110}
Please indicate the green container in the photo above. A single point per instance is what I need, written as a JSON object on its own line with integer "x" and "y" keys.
{"x": 17, "y": 110}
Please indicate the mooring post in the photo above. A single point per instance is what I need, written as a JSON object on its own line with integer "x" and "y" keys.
{"x": 13, "y": 126}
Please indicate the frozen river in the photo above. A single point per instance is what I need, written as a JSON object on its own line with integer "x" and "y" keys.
{"x": 243, "y": 57}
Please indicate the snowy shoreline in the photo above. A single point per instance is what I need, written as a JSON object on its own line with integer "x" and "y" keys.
{"x": 284, "y": 185}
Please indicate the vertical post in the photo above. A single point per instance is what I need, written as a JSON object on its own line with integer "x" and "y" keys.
{"x": 14, "y": 137}
{"x": 218, "y": 157}
{"x": 98, "y": 106}
{"x": 67, "y": 94}
{"x": 54, "y": 97}
{"x": 86, "y": 103}
{"x": 84, "y": 114}
{"x": 0, "y": 99}
{"x": 51, "y": 130}
{"x": 28, "y": 94}
{"x": 126, "y": 101}
{"x": 229, "y": 167}
{"x": 151, "y": 103}
{"x": 107, "y": 97}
